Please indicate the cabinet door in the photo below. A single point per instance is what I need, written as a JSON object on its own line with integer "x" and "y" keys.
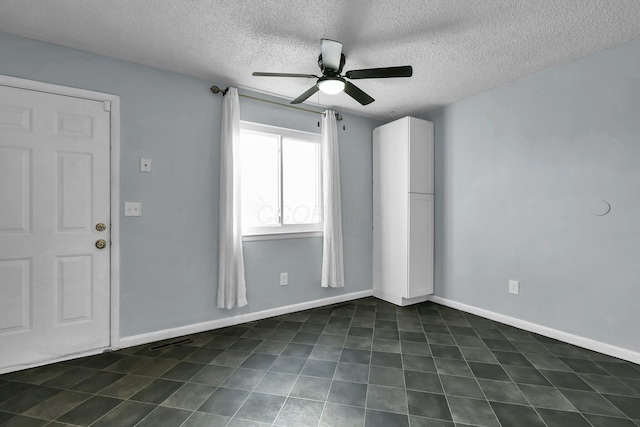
{"x": 420, "y": 156}
{"x": 420, "y": 231}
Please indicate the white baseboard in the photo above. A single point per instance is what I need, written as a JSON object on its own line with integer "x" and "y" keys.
{"x": 7, "y": 369}
{"x": 588, "y": 343}
{"x": 398, "y": 300}
{"x": 235, "y": 320}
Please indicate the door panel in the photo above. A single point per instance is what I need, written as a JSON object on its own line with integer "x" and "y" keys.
{"x": 421, "y": 209}
{"x": 54, "y": 188}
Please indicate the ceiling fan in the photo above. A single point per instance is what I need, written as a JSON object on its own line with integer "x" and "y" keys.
{"x": 331, "y": 61}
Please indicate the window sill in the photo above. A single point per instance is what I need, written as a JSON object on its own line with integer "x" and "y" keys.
{"x": 280, "y": 235}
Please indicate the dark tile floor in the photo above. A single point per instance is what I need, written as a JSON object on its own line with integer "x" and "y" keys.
{"x": 364, "y": 363}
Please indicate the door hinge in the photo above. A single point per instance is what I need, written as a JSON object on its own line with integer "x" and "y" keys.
{"x": 107, "y": 105}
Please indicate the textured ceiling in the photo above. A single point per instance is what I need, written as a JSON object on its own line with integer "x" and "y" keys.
{"x": 457, "y": 47}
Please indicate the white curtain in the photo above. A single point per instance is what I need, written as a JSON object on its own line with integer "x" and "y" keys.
{"x": 232, "y": 289}
{"x": 332, "y": 260}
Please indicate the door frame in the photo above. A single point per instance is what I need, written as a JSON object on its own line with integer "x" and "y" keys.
{"x": 114, "y": 160}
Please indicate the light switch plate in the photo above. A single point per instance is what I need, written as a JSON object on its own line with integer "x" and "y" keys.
{"x": 145, "y": 165}
{"x": 132, "y": 209}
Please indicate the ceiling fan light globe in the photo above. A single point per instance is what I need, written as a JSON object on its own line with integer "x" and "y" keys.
{"x": 331, "y": 86}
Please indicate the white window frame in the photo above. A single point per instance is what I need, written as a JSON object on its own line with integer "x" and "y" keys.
{"x": 284, "y": 231}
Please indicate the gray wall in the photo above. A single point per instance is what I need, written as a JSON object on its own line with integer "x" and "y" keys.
{"x": 169, "y": 255}
{"x": 516, "y": 169}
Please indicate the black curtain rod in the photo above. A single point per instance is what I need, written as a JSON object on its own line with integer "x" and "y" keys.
{"x": 216, "y": 90}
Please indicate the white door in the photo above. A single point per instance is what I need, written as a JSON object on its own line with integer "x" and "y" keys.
{"x": 54, "y": 191}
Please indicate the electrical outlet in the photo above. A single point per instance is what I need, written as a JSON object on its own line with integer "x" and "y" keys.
{"x": 514, "y": 287}
{"x": 132, "y": 209}
{"x": 284, "y": 279}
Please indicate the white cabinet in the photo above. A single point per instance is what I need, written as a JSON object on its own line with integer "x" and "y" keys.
{"x": 403, "y": 207}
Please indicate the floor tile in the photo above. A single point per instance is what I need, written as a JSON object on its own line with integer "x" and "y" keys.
{"x": 583, "y": 366}
{"x": 472, "y": 411}
{"x": 347, "y": 393}
{"x": 354, "y": 372}
{"x": 516, "y": 415}
{"x": 591, "y": 403}
{"x": 546, "y": 397}
{"x": 522, "y": 375}
{"x": 97, "y": 382}
{"x": 489, "y": 371}
{"x": 326, "y": 353}
{"x": 271, "y": 347}
{"x": 57, "y": 405}
{"x": 391, "y": 360}
{"x": 385, "y": 419}
{"x": 213, "y": 375}
{"x": 319, "y": 368}
{"x": 418, "y": 363}
{"x": 89, "y": 411}
{"x": 511, "y": 358}
{"x": 423, "y": 381}
{"x": 299, "y": 412}
{"x": 607, "y": 384}
{"x": 461, "y": 386}
{"x": 224, "y": 401}
{"x": 629, "y": 405}
{"x": 446, "y": 351}
{"x": 157, "y": 391}
{"x": 602, "y": 421}
{"x": 311, "y": 388}
{"x": 390, "y": 377}
{"x": 126, "y": 387}
{"x": 554, "y": 418}
{"x": 276, "y": 383}
{"x": 230, "y": 358}
{"x": 243, "y": 379}
{"x": 297, "y": 350}
{"x": 183, "y": 371}
{"x": 288, "y": 365}
{"x": 428, "y": 405}
{"x": 190, "y": 396}
{"x": 478, "y": 355}
{"x": 566, "y": 380}
{"x": 203, "y": 419}
{"x": 164, "y": 417}
{"x": 261, "y": 407}
{"x": 335, "y": 415}
{"x": 24, "y": 421}
{"x": 388, "y": 399}
{"x": 259, "y": 361}
{"x": 28, "y": 399}
{"x": 383, "y": 345}
{"x": 502, "y": 391}
{"x": 355, "y": 356}
{"x": 452, "y": 367}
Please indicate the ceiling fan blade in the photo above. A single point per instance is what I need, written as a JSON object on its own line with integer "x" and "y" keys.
{"x": 260, "y": 74}
{"x": 356, "y": 93}
{"x": 380, "y": 73}
{"x": 305, "y": 95}
{"x": 331, "y": 53}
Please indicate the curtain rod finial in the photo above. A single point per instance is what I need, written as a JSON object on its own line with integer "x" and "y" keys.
{"x": 216, "y": 90}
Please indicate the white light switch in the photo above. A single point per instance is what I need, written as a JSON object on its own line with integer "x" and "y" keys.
{"x": 145, "y": 165}
{"x": 132, "y": 209}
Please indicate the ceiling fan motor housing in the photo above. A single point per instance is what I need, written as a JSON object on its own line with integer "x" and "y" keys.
{"x": 329, "y": 71}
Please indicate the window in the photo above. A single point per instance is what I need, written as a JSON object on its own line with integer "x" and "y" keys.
{"x": 280, "y": 179}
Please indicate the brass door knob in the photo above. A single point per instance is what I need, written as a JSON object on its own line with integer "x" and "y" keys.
{"x": 100, "y": 226}
{"x": 101, "y": 244}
